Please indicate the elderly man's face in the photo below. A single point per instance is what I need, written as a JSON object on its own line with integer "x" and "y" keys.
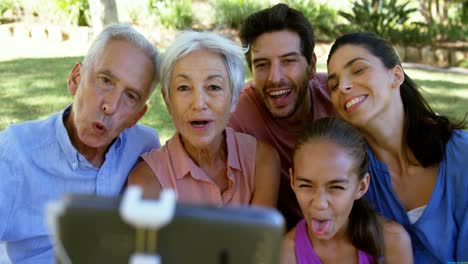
{"x": 199, "y": 98}
{"x": 110, "y": 95}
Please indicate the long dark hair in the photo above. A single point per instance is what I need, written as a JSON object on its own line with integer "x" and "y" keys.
{"x": 425, "y": 132}
{"x": 275, "y": 18}
{"x": 364, "y": 229}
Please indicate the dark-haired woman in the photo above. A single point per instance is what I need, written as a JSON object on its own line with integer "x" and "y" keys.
{"x": 418, "y": 159}
{"x": 330, "y": 177}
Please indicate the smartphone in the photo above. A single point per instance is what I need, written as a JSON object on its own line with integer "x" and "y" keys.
{"x": 90, "y": 230}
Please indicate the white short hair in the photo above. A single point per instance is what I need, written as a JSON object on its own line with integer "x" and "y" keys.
{"x": 127, "y": 33}
{"x": 190, "y": 41}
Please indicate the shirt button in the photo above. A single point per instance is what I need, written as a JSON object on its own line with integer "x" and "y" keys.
{"x": 75, "y": 165}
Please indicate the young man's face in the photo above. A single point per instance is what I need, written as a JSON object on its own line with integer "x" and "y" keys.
{"x": 280, "y": 72}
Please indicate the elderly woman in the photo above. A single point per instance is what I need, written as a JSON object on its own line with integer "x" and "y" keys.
{"x": 205, "y": 162}
{"x": 418, "y": 158}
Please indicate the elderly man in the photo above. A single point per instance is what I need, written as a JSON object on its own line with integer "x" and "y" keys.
{"x": 285, "y": 92}
{"x": 89, "y": 147}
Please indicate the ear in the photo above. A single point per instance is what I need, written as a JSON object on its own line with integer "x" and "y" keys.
{"x": 363, "y": 186}
{"x": 291, "y": 177}
{"x": 74, "y": 78}
{"x": 166, "y": 100}
{"x": 398, "y": 76}
{"x": 139, "y": 116}
{"x": 312, "y": 65}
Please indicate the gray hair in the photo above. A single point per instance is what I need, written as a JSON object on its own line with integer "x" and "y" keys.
{"x": 190, "y": 41}
{"x": 127, "y": 33}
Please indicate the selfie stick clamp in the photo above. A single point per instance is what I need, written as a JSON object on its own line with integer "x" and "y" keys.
{"x": 147, "y": 216}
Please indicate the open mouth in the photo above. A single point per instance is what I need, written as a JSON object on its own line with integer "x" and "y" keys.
{"x": 355, "y": 102}
{"x": 279, "y": 96}
{"x": 200, "y": 124}
{"x": 320, "y": 227}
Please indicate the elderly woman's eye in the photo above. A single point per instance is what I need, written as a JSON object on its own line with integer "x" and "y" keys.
{"x": 215, "y": 87}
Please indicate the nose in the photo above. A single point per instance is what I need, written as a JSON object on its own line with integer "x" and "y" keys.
{"x": 276, "y": 72}
{"x": 199, "y": 98}
{"x": 345, "y": 85}
{"x": 320, "y": 200}
{"x": 111, "y": 103}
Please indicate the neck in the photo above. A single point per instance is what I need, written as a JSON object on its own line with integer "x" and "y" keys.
{"x": 207, "y": 157}
{"x": 95, "y": 156}
{"x": 386, "y": 138}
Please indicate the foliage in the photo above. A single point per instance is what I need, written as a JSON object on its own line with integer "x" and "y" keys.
{"x": 232, "y": 13}
{"x": 322, "y": 17}
{"x": 73, "y": 12}
{"x": 6, "y": 5}
{"x": 173, "y": 14}
{"x": 383, "y": 17}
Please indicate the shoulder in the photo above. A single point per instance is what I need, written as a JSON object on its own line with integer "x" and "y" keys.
{"x": 397, "y": 242}
{"x": 289, "y": 248}
{"x": 18, "y": 138}
{"x": 142, "y": 135}
{"x": 247, "y": 112}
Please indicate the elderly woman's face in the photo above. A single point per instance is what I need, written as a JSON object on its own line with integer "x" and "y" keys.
{"x": 199, "y": 98}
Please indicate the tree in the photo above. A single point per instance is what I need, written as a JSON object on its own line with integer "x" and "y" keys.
{"x": 103, "y": 12}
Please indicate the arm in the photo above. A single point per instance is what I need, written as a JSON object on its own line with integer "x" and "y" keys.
{"x": 143, "y": 176}
{"x": 397, "y": 243}
{"x": 462, "y": 242}
{"x": 267, "y": 175}
{"x": 9, "y": 185}
{"x": 288, "y": 254}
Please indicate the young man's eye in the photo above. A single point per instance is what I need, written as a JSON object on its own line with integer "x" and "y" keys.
{"x": 337, "y": 187}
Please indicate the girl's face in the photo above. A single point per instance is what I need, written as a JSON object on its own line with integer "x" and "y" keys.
{"x": 326, "y": 184}
{"x": 362, "y": 88}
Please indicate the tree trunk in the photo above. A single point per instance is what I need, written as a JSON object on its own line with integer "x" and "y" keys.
{"x": 103, "y": 13}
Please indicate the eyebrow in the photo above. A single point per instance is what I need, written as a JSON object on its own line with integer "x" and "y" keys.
{"x": 112, "y": 76}
{"x": 293, "y": 53}
{"x": 210, "y": 77}
{"x": 347, "y": 65}
{"x": 335, "y": 181}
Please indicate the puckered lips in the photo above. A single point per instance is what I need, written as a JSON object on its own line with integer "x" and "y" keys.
{"x": 279, "y": 96}
{"x": 201, "y": 124}
{"x": 354, "y": 102}
{"x": 99, "y": 128}
{"x": 320, "y": 226}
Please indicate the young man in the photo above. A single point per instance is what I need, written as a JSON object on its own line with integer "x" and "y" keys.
{"x": 285, "y": 92}
{"x": 89, "y": 147}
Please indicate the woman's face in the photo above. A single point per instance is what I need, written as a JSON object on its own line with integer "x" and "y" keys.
{"x": 325, "y": 181}
{"x": 199, "y": 98}
{"x": 361, "y": 88}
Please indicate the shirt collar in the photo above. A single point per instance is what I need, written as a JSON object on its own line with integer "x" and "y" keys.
{"x": 185, "y": 165}
{"x": 71, "y": 154}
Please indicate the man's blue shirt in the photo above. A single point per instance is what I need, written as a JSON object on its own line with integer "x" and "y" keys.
{"x": 38, "y": 164}
{"x": 440, "y": 235}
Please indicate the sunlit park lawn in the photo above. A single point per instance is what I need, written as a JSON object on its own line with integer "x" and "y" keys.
{"x": 32, "y": 88}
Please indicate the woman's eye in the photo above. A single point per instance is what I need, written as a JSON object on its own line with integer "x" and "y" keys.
{"x": 215, "y": 87}
{"x": 332, "y": 86}
{"x": 359, "y": 70}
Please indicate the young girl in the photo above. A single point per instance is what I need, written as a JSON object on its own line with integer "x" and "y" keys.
{"x": 329, "y": 177}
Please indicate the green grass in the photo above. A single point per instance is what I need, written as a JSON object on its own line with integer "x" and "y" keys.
{"x": 36, "y": 87}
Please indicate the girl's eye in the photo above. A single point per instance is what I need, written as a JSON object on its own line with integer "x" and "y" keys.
{"x": 337, "y": 187}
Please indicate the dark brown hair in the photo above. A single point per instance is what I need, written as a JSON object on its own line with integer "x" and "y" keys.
{"x": 276, "y": 18}
{"x": 364, "y": 230}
